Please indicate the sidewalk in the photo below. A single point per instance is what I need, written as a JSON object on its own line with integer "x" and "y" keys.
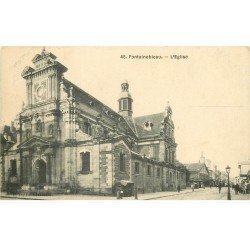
{"x": 152, "y": 196}
{"x": 147, "y": 196}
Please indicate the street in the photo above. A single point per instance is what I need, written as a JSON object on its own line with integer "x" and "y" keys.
{"x": 207, "y": 194}
{"x": 185, "y": 194}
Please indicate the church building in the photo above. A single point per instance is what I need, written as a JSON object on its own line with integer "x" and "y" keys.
{"x": 64, "y": 137}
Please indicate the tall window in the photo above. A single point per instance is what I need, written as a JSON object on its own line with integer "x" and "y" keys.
{"x": 39, "y": 126}
{"x": 158, "y": 172}
{"x": 166, "y": 155}
{"x": 51, "y": 129}
{"x": 13, "y": 169}
{"x": 125, "y": 104}
{"x": 87, "y": 128}
{"x": 170, "y": 177}
{"x": 85, "y": 157}
{"x": 149, "y": 170}
{"x": 122, "y": 162}
{"x": 173, "y": 157}
{"x": 137, "y": 168}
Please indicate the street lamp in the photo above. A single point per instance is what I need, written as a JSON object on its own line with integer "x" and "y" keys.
{"x": 228, "y": 184}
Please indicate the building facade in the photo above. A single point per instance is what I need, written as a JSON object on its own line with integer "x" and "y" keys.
{"x": 64, "y": 137}
{"x": 199, "y": 172}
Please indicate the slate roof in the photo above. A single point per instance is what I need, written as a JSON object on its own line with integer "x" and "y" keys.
{"x": 156, "y": 119}
{"x": 101, "y": 108}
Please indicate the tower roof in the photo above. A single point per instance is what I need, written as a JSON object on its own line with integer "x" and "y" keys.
{"x": 125, "y": 92}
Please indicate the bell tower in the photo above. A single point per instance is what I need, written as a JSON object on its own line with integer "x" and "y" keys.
{"x": 125, "y": 101}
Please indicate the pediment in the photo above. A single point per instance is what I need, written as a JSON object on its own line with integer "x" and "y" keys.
{"x": 27, "y": 70}
{"x": 34, "y": 142}
{"x": 37, "y": 57}
{"x": 122, "y": 140}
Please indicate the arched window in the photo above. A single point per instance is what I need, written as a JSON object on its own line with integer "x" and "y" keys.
{"x": 122, "y": 162}
{"x": 125, "y": 104}
{"x": 149, "y": 170}
{"x": 137, "y": 168}
{"x": 173, "y": 157}
{"x": 39, "y": 126}
{"x": 51, "y": 129}
{"x": 13, "y": 168}
{"x": 85, "y": 160}
{"x": 158, "y": 172}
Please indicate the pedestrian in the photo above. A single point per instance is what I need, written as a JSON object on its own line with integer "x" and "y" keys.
{"x": 237, "y": 188}
{"x": 192, "y": 186}
{"x": 179, "y": 188}
{"x": 244, "y": 188}
{"x": 219, "y": 186}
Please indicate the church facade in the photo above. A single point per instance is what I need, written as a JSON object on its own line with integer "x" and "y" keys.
{"x": 63, "y": 136}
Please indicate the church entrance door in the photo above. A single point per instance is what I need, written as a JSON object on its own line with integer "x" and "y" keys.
{"x": 41, "y": 166}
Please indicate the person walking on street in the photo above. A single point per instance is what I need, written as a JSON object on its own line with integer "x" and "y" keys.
{"x": 244, "y": 188}
{"x": 192, "y": 186}
{"x": 236, "y": 188}
{"x": 219, "y": 186}
{"x": 178, "y": 188}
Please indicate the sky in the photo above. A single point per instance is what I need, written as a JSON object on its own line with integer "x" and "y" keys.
{"x": 209, "y": 91}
